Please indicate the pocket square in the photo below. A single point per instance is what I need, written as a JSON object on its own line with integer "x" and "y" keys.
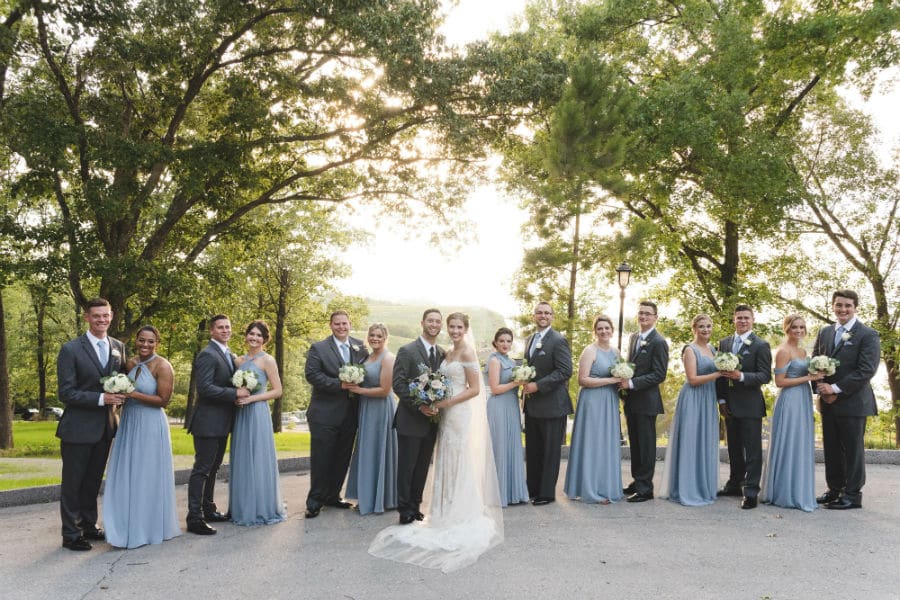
{"x": 542, "y": 353}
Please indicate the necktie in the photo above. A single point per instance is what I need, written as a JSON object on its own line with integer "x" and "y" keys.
{"x": 737, "y": 344}
{"x": 837, "y": 335}
{"x": 432, "y": 359}
{"x": 103, "y": 354}
{"x": 345, "y": 352}
{"x": 637, "y": 345}
{"x": 535, "y": 342}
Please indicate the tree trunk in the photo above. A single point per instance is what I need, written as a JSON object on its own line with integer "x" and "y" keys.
{"x": 39, "y": 304}
{"x": 893, "y": 374}
{"x": 6, "y": 412}
{"x": 573, "y": 276}
{"x": 192, "y": 384}
{"x": 731, "y": 261}
{"x": 280, "y": 325}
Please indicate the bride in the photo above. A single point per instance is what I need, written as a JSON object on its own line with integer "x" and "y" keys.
{"x": 465, "y": 518}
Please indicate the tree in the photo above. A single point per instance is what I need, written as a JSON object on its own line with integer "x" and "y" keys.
{"x": 155, "y": 131}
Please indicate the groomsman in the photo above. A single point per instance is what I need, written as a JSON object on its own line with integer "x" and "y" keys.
{"x": 649, "y": 352}
{"x": 742, "y": 404}
{"x": 547, "y": 405}
{"x": 416, "y": 432}
{"x": 88, "y": 423}
{"x": 210, "y": 423}
{"x": 332, "y": 415}
{"x": 845, "y": 400}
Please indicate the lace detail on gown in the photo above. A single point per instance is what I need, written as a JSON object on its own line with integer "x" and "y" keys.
{"x": 465, "y": 517}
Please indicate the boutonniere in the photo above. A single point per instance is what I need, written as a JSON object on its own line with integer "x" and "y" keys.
{"x": 748, "y": 341}
{"x": 846, "y": 336}
{"x": 643, "y": 343}
{"x": 539, "y": 345}
{"x": 115, "y": 353}
{"x": 355, "y": 347}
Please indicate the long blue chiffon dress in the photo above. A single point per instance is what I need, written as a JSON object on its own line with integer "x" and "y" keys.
{"x": 789, "y": 473}
{"x": 595, "y": 461}
{"x": 139, "y": 498}
{"x": 691, "y": 472}
{"x": 373, "y": 468}
{"x": 505, "y": 423}
{"x": 254, "y": 489}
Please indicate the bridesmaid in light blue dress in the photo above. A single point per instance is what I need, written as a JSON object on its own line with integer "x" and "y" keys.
{"x": 691, "y": 472}
{"x": 594, "y": 473}
{"x": 789, "y": 474}
{"x": 505, "y": 421}
{"x": 254, "y": 489}
{"x": 373, "y": 467}
{"x": 139, "y": 498}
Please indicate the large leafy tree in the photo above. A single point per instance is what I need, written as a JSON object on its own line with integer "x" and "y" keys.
{"x": 155, "y": 128}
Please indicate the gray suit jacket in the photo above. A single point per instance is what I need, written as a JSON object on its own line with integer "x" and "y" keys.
{"x": 745, "y": 398}
{"x": 552, "y": 363}
{"x": 859, "y": 357}
{"x": 651, "y": 365}
{"x": 329, "y": 404}
{"x": 78, "y": 374}
{"x": 213, "y": 416}
{"x": 408, "y": 420}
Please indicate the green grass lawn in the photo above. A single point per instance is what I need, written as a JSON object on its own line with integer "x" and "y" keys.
{"x": 35, "y": 458}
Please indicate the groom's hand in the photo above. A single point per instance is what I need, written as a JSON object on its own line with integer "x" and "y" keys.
{"x": 530, "y": 388}
{"x": 243, "y": 392}
{"x": 427, "y": 410}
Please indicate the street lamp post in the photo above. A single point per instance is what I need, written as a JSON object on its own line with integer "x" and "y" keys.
{"x": 623, "y": 272}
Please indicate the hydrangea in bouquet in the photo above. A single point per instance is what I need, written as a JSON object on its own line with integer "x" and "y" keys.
{"x": 726, "y": 361}
{"x": 429, "y": 388}
{"x": 523, "y": 372}
{"x": 117, "y": 384}
{"x": 350, "y": 373}
{"x": 622, "y": 369}
{"x": 823, "y": 364}
{"x": 244, "y": 378}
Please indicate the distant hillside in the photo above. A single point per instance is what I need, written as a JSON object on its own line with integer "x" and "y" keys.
{"x": 404, "y": 322}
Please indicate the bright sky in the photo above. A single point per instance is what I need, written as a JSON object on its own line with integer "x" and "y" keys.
{"x": 481, "y": 274}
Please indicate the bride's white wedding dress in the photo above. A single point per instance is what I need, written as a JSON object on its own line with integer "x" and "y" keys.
{"x": 465, "y": 518}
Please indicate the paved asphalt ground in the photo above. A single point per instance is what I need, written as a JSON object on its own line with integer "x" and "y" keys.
{"x": 655, "y": 550}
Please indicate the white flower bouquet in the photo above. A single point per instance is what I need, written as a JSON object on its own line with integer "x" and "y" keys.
{"x": 823, "y": 364}
{"x": 244, "y": 378}
{"x": 622, "y": 369}
{"x": 117, "y": 384}
{"x": 523, "y": 372}
{"x": 726, "y": 361}
{"x": 350, "y": 373}
{"x": 429, "y": 388}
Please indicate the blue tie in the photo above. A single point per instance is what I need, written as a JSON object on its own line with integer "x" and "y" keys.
{"x": 104, "y": 355}
{"x": 534, "y": 343}
{"x": 737, "y": 344}
{"x": 837, "y": 335}
{"x": 345, "y": 352}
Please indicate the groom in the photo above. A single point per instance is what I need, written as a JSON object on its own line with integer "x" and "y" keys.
{"x": 210, "y": 423}
{"x": 547, "y": 405}
{"x": 845, "y": 400}
{"x": 415, "y": 431}
{"x": 88, "y": 424}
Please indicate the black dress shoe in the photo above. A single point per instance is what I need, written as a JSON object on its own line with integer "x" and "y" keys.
{"x": 639, "y": 497}
{"x": 200, "y": 528}
{"x": 79, "y": 544}
{"x": 338, "y": 504}
{"x": 829, "y": 496}
{"x": 418, "y": 516}
{"x": 215, "y": 517}
{"x": 312, "y": 513}
{"x": 748, "y": 502}
{"x": 542, "y": 501}
{"x": 843, "y": 503}
{"x": 629, "y": 490}
{"x": 406, "y": 518}
{"x": 727, "y": 491}
{"x": 94, "y": 534}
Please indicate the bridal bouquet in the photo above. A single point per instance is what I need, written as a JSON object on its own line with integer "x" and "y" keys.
{"x": 245, "y": 379}
{"x": 726, "y": 361}
{"x": 429, "y": 388}
{"x": 823, "y": 363}
{"x": 523, "y": 372}
{"x": 351, "y": 373}
{"x": 117, "y": 384}
{"x": 622, "y": 369}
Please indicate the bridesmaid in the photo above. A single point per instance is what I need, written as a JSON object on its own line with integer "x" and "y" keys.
{"x": 505, "y": 421}
{"x": 595, "y": 463}
{"x": 373, "y": 467}
{"x": 254, "y": 490}
{"x": 788, "y": 478}
{"x": 139, "y": 499}
{"x": 691, "y": 473}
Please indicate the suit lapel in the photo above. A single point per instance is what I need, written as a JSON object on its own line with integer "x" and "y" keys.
{"x": 220, "y": 354}
{"x": 840, "y": 344}
{"x": 91, "y": 353}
